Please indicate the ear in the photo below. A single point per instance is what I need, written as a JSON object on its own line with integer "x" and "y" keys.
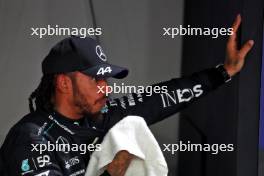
{"x": 63, "y": 84}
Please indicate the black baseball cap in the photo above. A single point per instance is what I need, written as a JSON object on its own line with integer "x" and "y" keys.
{"x": 81, "y": 54}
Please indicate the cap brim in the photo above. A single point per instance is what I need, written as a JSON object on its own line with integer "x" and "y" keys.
{"x": 106, "y": 71}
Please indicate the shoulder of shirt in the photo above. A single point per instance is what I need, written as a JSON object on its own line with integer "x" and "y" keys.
{"x": 37, "y": 118}
{"x": 27, "y": 128}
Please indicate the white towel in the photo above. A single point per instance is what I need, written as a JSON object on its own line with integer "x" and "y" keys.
{"x": 131, "y": 134}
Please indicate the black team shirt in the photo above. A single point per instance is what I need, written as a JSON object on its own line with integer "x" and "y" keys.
{"x": 20, "y": 153}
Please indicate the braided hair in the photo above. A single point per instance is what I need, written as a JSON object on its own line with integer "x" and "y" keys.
{"x": 42, "y": 96}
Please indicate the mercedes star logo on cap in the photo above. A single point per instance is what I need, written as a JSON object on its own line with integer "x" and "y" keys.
{"x": 100, "y": 53}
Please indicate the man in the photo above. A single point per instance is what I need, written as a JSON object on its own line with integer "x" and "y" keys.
{"x": 70, "y": 109}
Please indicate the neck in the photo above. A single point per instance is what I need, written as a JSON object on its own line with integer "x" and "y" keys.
{"x": 68, "y": 111}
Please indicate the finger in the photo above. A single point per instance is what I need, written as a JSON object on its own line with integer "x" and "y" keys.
{"x": 236, "y": 23}
{"x": 246, "y": 48}
{"x": 235, "y": 27}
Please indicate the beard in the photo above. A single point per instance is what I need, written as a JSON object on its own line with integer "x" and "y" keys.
{"x": 80, "y": 102}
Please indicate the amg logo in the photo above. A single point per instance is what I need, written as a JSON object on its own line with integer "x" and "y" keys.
{"x": 181, "y": 95}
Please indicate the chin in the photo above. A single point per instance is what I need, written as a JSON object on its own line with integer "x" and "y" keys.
{"x": 96, "y": 110}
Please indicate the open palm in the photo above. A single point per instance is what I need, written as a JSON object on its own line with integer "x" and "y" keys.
{"x": 235, "y": 58}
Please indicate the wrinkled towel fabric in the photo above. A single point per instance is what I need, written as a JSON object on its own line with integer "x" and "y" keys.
{"x": 131, "y": 134}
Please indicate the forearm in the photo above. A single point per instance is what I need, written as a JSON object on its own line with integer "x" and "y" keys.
{"x": 181, "y": 92}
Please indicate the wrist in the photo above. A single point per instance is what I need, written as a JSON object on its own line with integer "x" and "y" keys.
{"x": 231, "y": 72}
{"x": 226, "y": 73}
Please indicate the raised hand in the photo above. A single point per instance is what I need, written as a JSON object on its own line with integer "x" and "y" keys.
{"x": 235, "y": 58}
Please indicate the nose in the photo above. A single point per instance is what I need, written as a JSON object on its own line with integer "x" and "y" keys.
{"x": 102, "y": 82}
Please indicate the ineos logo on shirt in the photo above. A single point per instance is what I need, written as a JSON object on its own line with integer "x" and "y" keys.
{"x": 181, "y": 95}
{"x": 100, "y": 53}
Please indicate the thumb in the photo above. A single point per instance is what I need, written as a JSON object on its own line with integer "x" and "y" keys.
{"x": 246, "y": 48}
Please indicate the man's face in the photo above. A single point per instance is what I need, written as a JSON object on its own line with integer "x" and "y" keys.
{"x": 85, "y": 94}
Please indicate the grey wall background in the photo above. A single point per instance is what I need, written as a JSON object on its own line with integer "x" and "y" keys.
{"x": 132, "y": 37}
